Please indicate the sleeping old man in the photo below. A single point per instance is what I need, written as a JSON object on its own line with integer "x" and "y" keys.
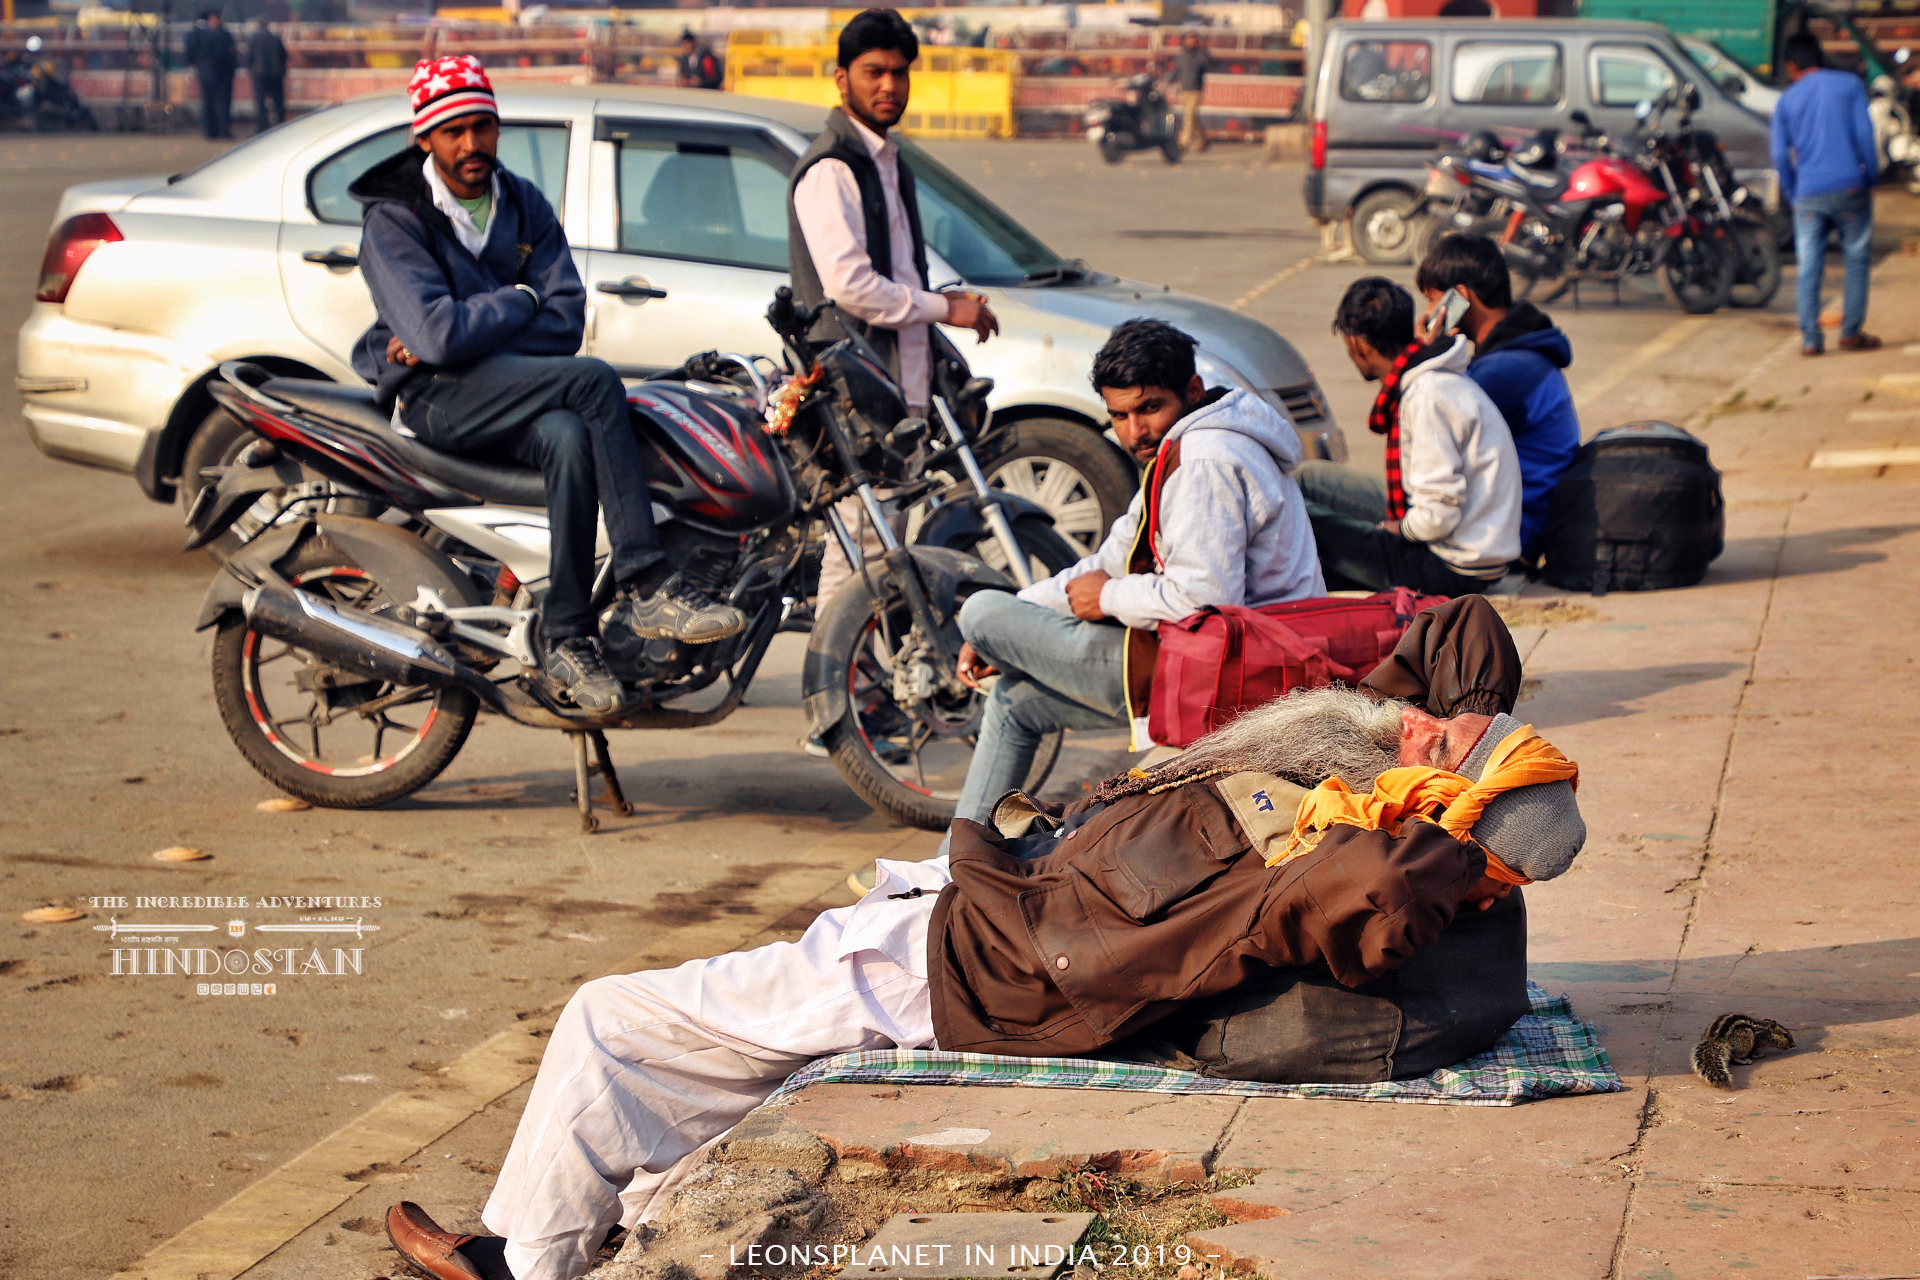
{"x": 1335, "y": 832}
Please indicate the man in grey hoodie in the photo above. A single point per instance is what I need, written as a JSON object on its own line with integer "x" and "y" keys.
{"x": 1232, "y": 529}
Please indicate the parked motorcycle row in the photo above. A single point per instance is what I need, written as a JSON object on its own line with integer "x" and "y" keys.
{"x": 379, "y": 602}
{"x": 1662, "y": 202}
{"x": 34, "y": 96}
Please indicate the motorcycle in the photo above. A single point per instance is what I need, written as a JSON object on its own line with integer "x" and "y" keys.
{"x": 1140, "y": 119}
{"x": 352, "y": 655}
{"x": 1622, "y": 212}
{"x": 40, "y": 98}
{"x": 1721, "y": 200}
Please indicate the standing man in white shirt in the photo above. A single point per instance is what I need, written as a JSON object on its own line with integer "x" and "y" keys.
{"x": 853, "y": 233}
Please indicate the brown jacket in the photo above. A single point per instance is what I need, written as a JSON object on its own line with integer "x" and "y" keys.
{"x": 1155, "y": 900}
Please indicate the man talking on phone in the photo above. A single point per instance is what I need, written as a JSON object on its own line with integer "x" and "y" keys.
{"x": 1446, "y": 518}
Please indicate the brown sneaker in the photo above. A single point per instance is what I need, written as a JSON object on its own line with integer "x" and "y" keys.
{"x": 443, "y": 1255}
{"x": 1859, "y": 342}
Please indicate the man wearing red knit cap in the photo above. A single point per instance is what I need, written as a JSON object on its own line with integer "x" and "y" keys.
{"x": 480, "y": 315}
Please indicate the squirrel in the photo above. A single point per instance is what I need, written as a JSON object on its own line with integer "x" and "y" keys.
{"x": 1734, "y": 1038}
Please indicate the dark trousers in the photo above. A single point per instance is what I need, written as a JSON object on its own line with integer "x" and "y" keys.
{"x": 567, "y": 416}
{"x": 269, "y": 90}
{"x": 216, "y": 103}
{"x": 1346, "y": 506}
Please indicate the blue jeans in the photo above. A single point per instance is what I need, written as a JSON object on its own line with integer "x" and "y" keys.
{"x": 1056, "y": 672}
{"x": 1851, "y": 214}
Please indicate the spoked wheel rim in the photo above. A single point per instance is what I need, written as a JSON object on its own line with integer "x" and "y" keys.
{"x": 937, "y": 741}
{"x": 323, "y": 732}
{"x": 1066, "y": 495}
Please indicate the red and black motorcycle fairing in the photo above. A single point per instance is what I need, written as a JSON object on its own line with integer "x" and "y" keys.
{"x": 709, "y": 459}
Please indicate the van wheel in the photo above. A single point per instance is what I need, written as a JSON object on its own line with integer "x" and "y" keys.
{"x": 1383, "y": 227}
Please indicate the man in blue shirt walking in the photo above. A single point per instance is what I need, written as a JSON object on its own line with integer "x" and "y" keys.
{"x": 1824, "y": 151}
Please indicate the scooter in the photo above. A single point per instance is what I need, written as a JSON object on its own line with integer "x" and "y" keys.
{"x": 1140, "y": 119}
{"x": 352, "y": 655}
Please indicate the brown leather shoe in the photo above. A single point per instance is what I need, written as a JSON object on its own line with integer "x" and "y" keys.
{"x": 1859, "y": 342}
{"x": 436, "y": 1253}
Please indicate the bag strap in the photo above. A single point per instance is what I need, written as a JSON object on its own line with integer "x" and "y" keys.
{"x": 1232, "y": 659}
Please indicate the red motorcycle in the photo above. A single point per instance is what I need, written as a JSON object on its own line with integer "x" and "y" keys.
{"x": 1623, "y": 212}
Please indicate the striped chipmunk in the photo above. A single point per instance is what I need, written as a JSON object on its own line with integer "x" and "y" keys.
{"x": 1733, "y": 1040}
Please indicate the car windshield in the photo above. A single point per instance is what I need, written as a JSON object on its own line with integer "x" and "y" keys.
{"x": 975, "y": 236}
{"x": 1718, "y": 63}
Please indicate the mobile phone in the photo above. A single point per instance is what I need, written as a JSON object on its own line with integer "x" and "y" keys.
{"x": 1452, "y": 307}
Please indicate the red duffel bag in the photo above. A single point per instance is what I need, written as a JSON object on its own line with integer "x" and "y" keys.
{"x": 1216, "y": 663}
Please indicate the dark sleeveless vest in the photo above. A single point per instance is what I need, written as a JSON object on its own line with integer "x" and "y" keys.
{"x": 840, "y": 140}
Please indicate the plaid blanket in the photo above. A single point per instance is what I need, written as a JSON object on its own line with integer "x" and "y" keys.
{"x": 1547, "y": 1053}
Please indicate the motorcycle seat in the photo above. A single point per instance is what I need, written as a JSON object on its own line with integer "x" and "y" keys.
{"x": 483, "y": 479}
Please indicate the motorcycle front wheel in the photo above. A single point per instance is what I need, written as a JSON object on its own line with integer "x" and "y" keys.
{"x": 1696, "y": 274}
{"x": 1112, "y": 150}
{"x": 908, "y": 763}
{"x": 298, "y": 720}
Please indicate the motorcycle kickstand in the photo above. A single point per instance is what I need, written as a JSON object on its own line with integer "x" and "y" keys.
{"x": 611, "y": 795}
{"x": 588, "y": 823}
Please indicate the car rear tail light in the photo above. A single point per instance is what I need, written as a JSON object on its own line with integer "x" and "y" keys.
{"x": 69, "y": 247}
{"x": 1317, "y": 147}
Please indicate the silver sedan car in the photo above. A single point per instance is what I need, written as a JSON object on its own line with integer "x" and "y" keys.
{"x": 675, "y": 204}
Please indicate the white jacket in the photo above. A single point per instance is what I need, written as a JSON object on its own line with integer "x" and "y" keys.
{"x": 1458, "y": 467}
{"x": 1233, "y": 527}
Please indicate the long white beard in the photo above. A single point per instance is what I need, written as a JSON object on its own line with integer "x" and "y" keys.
{"x": 1306, "y": 737}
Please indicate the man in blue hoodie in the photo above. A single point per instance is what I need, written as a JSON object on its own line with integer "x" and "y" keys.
{"x": 480, "y": 312}
{"x": 1824, "y": 151}
{"x": 1518, "y": 358}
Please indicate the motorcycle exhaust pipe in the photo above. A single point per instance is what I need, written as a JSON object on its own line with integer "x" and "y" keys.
{"x": 376, "y": 647}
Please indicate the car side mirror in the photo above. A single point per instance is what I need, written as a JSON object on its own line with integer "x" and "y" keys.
{"x": 1733, "y": 86}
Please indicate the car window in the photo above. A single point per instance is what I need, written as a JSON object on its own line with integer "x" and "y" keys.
{"x": 708, "y": 201}
{"x": 1387, "y": 71}
{"x": 1623, "y": 77}
{"x": 537, "y": 152}
{"x": 1507, "y": 73}
{"x": 972, "y": 234}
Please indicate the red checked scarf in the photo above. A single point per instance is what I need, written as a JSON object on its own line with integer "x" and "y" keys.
{"x": 1384, "y": 420}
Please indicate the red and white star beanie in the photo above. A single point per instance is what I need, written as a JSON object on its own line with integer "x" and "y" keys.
{"x": 443, "y": 88}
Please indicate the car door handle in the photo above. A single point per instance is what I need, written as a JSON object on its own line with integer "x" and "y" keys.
{"x": 628, "y": 289}
{"x": 332, "y": 259}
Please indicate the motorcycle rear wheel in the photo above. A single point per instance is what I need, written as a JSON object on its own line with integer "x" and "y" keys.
{"x": 1697, "y": 275}
{"x": 343, "y": 760}
{"x": 1762, "y": 271}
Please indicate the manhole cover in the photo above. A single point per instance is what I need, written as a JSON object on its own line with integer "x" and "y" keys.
{"x": 948, "y": 1246}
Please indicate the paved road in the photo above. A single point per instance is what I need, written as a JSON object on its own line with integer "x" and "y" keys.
{"x": 155, "y": 1104}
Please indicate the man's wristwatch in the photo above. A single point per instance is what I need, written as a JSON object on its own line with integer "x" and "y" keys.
{"x": 528, "y": 290}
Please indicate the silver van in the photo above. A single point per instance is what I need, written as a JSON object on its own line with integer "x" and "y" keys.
{"x": 1389, "y": 93}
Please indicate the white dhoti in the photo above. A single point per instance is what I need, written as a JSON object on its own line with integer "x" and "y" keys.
{"x": 645, "y": 1071}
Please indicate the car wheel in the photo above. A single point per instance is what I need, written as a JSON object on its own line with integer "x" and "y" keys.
{"x": 1383, "y": 227}
{"x": 215, "y": 443}
{"x": 1082, "y": 480}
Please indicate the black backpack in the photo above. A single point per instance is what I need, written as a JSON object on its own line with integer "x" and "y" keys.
{"x": 1639, "y": 509}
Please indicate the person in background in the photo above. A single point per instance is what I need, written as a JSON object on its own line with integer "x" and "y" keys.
{"x": 1824, "y": 151}
{"x": 854, "y": 235}
{"x": 267, "y": 66}
{"x": 1448, "y": 521}
{"x": 213, "y": 56}
{"x": 1518, "y": 355}
{"x": 1190, "y": 73}
{"x": 699, "y": 68}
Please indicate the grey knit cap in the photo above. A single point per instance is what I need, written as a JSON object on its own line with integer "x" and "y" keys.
{"x": 1535, "y": 830}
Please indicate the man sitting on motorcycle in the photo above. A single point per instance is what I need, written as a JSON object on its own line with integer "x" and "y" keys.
{"x": 1230, "y": 526}
{"x": 480, "y": 312}
{"x": 1446, "y": 520}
